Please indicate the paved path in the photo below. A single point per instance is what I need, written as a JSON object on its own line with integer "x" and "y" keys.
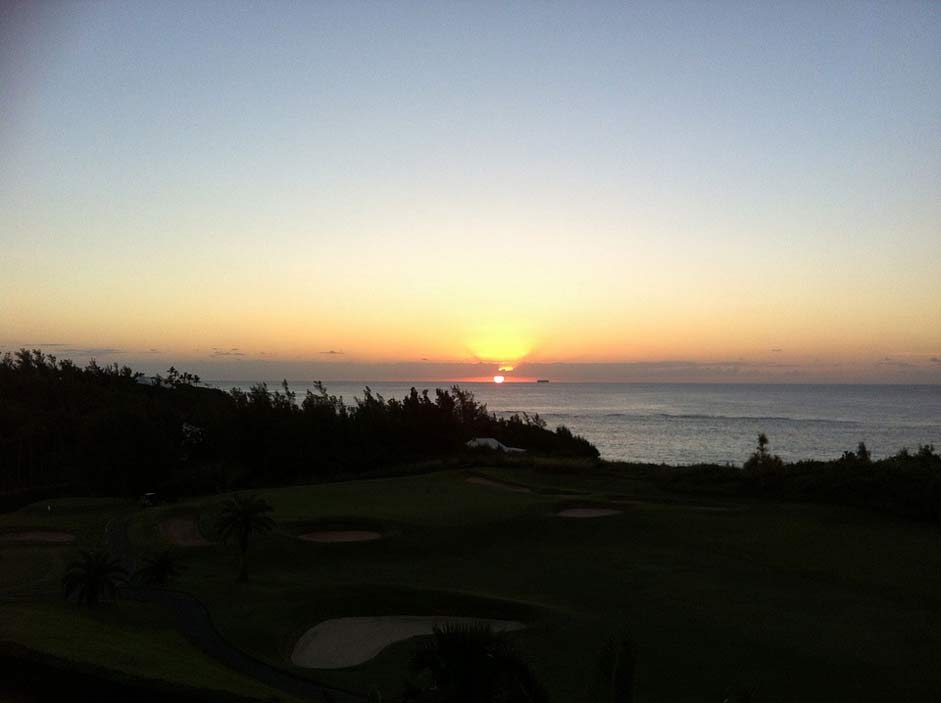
{"x": 193, "y": 621}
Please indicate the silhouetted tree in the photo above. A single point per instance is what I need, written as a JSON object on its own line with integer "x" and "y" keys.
{"x": 105, "y": 429}
{"x": 863, "y": 454}
{"x": 926, "y": 453}
{"x": 614, "y": 677}
{"x": 472, "y": 664}
{"x": 242, "y": 517}
{"x": 739, "y": 694}
{"x": 95, "y": 576}
{"x": 762, "y": 461}
{"x": 158, "y": 570}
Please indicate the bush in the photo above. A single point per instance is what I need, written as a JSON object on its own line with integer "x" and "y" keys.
{"x": 762, "y": 461}
{"x": 108, "y": 430}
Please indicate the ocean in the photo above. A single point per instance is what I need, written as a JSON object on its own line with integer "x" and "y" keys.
{"x": 692, "y": 423}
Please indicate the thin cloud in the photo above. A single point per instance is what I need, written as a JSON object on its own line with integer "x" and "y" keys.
{"x": 233, "y": 351}
{"x": 889, "y": 361}
{"x": 68, "y": 348}
{"x": 92, "y": 351}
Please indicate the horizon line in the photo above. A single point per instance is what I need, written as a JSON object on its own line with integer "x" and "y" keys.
{"x": 509, "y": 382}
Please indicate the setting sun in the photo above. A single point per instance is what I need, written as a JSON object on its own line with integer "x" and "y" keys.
{"x": 498, "y": 379}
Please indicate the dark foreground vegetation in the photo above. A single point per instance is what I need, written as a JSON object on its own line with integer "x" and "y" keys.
{"x": 756, "y": 584}
{"x": 907, "y": 484}
{"x": 108, "y": 430}
{"x": 33, "y": 677}
{"x": 669, "y": 598}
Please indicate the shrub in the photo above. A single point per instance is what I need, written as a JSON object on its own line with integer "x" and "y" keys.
{"x": 762, "y": 461}
{"x": 92, "y": 578}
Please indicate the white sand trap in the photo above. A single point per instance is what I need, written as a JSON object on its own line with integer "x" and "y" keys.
{"x": 183, "y": 532}
{"x": 481, "y": 481}
{"x": 44, "y": 536}
{"x": 587, "y": 512}
{"x": 342, "y": 642}
{"x": 341, "y": 536}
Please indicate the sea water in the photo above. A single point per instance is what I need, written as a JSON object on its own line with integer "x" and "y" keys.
{"x": 693, "y": 423}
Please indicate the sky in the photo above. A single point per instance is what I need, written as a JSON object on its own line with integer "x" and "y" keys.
{"x": 395, "y": 191}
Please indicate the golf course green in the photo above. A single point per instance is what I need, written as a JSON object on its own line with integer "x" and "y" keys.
{"x": 790, "y": 601}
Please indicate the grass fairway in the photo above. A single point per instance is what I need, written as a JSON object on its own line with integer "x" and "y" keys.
{"x": 800, "y": 602}
{"x": 134, "y": 639}
{"x": 131, "y": 639}
{"x": 803, "y": 602}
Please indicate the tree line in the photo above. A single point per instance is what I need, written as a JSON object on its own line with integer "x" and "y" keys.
{"x": 110, "y": 430}
{"x": 907, "y": 483}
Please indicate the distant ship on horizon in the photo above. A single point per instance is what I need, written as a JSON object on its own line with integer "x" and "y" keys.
{"x": 542, "y": 380}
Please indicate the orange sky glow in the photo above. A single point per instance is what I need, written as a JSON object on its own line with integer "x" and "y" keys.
{"x": 483, "y": 197}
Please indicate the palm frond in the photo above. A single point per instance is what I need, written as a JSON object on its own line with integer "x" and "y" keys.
{"x": 93, "y": 577}
{"x": 158, "y": 569}
{"x": 241, "y": 517}
{"x": 471, "y": 663}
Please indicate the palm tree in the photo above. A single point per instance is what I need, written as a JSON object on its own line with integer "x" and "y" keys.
{"x": 614, "y": 675}
{"x": 93, "y": 577}
{"x": 763, "y": 461}
{"x": 473, "y": 664}
{"x": 243, "y": 516}
{"x": 159, "y": 569}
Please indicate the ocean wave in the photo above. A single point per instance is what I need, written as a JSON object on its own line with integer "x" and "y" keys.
{"x": 697, "y": 416}
{"x": 762, "y": 418}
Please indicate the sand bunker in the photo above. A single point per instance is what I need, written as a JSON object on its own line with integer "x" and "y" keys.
{"x": 342, "y": 642}
{"x": 341, "y": 536}
{"x": 587, "y": 512}
{"x": 43, "y": 536}
{"x": 183, "y": 532}
{"x": 481, "y": 481}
